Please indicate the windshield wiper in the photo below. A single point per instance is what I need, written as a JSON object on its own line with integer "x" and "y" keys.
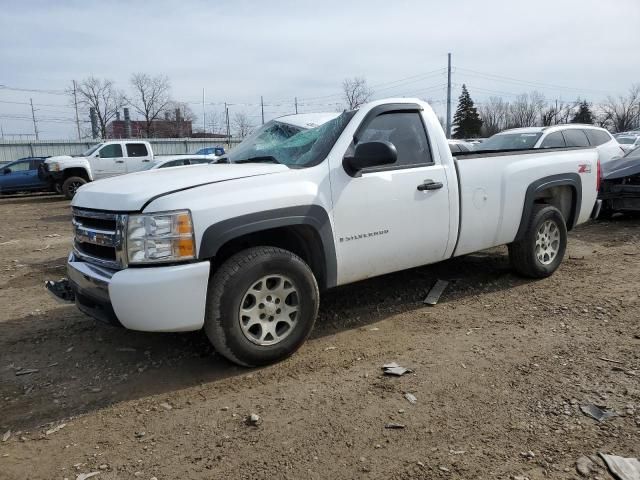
{"x": 263, "y": 159}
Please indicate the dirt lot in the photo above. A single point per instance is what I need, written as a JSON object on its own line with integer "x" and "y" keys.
{"x": 501, "y": 368}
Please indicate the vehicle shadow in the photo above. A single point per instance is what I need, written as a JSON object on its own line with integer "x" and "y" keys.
{"x": 83, "y": 366}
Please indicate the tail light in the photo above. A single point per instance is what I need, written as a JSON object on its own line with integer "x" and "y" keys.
{"x": 598, "y": 176}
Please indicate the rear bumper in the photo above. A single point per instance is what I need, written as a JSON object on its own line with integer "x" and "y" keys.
{"x": 154, "y": 299}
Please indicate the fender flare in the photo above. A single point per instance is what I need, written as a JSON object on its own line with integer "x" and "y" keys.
{"x": 572, "y": 180}
{"x": 315, "y": 216}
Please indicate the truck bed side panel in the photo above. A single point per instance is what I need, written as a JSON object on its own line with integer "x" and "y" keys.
{"x": 493, "y": 190}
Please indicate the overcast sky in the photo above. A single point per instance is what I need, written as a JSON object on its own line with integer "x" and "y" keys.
{"x": 239, "y": 50}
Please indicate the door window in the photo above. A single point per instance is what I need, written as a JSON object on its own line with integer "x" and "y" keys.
{"x": 137, "y": 150}
{"x": 111, "y": 151}
{"x": 553, "y": 140}
{"x": 406, "y": 132}
{"x": 19, "y": 166}
{"x": 174, "y": 163}
{"x": 575, "y": 138}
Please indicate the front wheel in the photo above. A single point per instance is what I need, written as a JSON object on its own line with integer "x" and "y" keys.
{"x": 71, "y": 185}
{"x": 542, "y": 249}
{"x": 262, "y": 304}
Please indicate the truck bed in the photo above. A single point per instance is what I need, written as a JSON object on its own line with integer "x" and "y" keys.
{"x": 491, "y": 207}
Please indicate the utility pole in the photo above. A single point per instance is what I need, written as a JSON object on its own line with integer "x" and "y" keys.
{"x": 33, "y": 116}
{"x": 448, "y": 131}
{"x": 204, "y": 115}
{"x": 555, "y": 114}
{"x": 75, "y": 104}
{"x": 262, "y": 108}
{"x": 296, "y": 102}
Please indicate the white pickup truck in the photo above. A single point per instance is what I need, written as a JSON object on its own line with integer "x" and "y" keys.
{"x": 68, "y": 173}
{"x": 310, "y": 202}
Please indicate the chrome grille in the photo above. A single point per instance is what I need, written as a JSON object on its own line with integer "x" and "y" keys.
{"x": 99, "y": 237}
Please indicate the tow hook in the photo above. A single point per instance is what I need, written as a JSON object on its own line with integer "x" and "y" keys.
{"x": 60, "y": 290}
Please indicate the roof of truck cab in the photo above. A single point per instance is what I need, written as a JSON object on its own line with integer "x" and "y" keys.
{"x": 308, "y": 120}
{"x": 563, "y": 126}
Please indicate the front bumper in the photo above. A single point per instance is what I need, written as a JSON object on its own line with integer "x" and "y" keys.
{"x": 152, "y": 299}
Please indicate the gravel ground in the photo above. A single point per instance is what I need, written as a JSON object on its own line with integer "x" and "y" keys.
{"x": 501, "y": 367}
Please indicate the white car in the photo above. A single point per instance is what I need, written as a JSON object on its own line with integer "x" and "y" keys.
{"x": 311, "y": 202}
{"x": 628, "y": 142}
{"x": 557, "y": 136}
{"x": 179, "y": 161}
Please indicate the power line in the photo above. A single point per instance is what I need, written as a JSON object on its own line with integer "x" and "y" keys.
{"x": 536, "y": 84}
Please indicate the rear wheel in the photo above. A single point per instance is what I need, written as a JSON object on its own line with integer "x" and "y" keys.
{"x": 71, "y": 185}
{"x": 261, "y": 306}
{"x": 542, "y": 249}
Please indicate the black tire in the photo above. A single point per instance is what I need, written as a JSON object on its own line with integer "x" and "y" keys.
{"x": 70, "y": 185}
{"x": 57, "y": 187}
{"x": 227, "y": 290}
{"x": 523, "y": 253}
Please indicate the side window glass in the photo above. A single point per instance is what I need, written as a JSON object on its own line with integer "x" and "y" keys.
{"x": 136, "y": 150}
{"x": 111, "y": 151}
{"x": 454, "y": 147}
{"x": 575, "y": 138}
{"x": 19, "y": 166}
{"x": 553, "y": 140}
{"x": 404, "y": 130}
{"x": 597, "y": 137}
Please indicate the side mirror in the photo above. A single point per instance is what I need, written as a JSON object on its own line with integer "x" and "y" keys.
{"x": 370, "y": 154}
{"x": 6, "y": 171}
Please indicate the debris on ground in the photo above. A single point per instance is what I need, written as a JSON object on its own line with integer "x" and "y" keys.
{"x": 329, "y": 348}
{"x": 622, "y": 468}
{"x": 6, "y": 435}
{"x": 55, "y": 429}
{"x": 84, "y": 476}
{"x": 411, "y": 398}
{"x": 394, "y": 369}
{"x": 166, "y": 406}
{"x": 605, "y": 359}
{"x": 26, "y": 371}
{"x": 394, "y": 426}
{"x": 434, "y": 294}
{"x": 585, "y": 466}
{"x": 254, "y": 420}
{"x": 597, "y": 412}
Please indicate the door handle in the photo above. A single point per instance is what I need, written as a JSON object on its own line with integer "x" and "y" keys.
{"x": 146, "y": 160}
{"x": 430, "y": 185}
{"x": 119, "y": 161}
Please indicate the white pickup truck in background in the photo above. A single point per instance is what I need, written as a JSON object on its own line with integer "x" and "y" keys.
{"x": 108, "y": 159}
{"x": 311, "y": 202}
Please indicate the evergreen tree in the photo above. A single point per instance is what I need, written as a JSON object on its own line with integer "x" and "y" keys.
{"x": 466, "y": 118}
{"x": 583, "y": 115}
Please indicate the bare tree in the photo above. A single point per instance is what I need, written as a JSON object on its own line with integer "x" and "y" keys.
{"x": 494, "y": 116}
{"x": 622, "y": 113}
{"x": 216, "y": 122}
{"x": 103, "y": 97}
{"x": 241, "y": 124}
{"x": 356, "y": 92}
{"x": 525, "y": 110}
{"x": 151, "y": 96}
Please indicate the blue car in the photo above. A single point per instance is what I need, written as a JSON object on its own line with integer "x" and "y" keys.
{"x": 22, "y": 176}
{"x": 217, "y": 151}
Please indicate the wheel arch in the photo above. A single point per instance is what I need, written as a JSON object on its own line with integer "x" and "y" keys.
{"x": 563, "y": 191}
{"x": 304, "y": 230}
{"x": 76, "y": 172}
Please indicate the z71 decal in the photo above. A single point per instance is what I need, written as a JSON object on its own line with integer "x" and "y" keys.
{"x": 584, "y": 168}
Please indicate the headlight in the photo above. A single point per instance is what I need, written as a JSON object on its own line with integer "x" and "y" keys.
{"x": 160, "y": 237}
{"x": 54, "y": 167}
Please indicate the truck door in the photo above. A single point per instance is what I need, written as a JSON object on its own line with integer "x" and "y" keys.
{"x": 15, "y": 176}
{"x": 392, "y": 217}
{"x": 109, "y": 161}
{"x": 138, "y": 156}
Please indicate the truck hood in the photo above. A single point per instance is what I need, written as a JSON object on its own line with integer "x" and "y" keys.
{"x": 132, "y": 191}
{"x": 57, "y": 158}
